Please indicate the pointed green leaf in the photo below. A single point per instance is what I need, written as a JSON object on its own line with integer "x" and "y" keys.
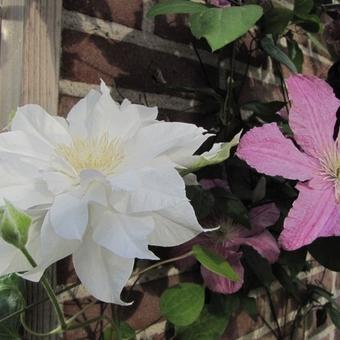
{"x": 302, "y": 7}
{"x": 214, "y": 262}
{"x": 295, "y": 54}
{"x": 219, "y": 153}
{"x": 277, "y": 19}
{"x": 175, "y": 6}
{"x": 183, "y": 303}
{"x": 276, "y": 53}
{"x": 221, "y": 26}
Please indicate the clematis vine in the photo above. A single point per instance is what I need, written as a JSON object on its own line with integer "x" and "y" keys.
{"x": 315, "y": 164}
{"x": 228, "y": 239}
{"x": 105, "y": 184}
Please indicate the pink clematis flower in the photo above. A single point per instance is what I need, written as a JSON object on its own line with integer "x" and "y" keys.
{"x": 316, "y": 212}
{"x": 219, "y": 3}
{"x": 228, "y": 240}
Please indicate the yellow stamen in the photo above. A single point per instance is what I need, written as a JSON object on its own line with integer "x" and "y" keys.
{"x": 102, "y": 153}
{"x": 330, "y": 164}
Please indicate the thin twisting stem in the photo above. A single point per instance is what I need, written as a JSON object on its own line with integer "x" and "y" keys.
{"x": 49, "y": 291}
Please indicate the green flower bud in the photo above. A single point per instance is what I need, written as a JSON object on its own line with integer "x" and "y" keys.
{"x": 14, "y": 225}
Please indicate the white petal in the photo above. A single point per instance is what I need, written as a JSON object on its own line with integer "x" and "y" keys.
{"x": 7, "y": 254}
{"x": 108, "y": 118}
{"x": 175, "y": 226}
{"x": 146, "y": 114}
{"x": 34, "y": 120}
{"x": 57, "y": 182}
{"x": 176, "y": 140}
{"x": 23, "y": 145}
{"x": 19, "y": 185}
{"x": 79, "y": 115}
{"x": 160, "y": 188}
{"x": 69, "y": 216}
{"x": 52, "y": 249}
{"x": 101, "y": 272}
{"x": 124, "y": 235}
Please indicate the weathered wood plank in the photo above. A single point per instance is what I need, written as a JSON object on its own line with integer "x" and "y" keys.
{"x": 29, "y": 73}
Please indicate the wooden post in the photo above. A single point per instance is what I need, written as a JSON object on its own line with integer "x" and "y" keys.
{"x": 29, "y": 73}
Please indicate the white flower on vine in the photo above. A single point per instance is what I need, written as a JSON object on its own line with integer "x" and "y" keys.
{"x": 106, "y": 179}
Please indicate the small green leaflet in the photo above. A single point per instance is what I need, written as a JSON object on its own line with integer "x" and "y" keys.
{"x": 183, "y": 303}
{"x": 214, "y": 262}
{"x": 175, "y": 6}
{"x": 212, "y": 157}
{"x": 221, "y": 26}
{"x": 276, "y": 53}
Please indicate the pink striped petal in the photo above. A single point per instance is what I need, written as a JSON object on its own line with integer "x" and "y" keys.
{"x": 309, "y": 217}
{"x": 265, "y": 244}
{"x": 268, "y": 151}
{"x": 263, "y": 216}
{"x": 220, "y": 284}
{"x": 313, "y": 113}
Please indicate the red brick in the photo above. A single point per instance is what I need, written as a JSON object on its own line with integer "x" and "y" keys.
{"x": 87, "y": 58}
{"x": 129, "y": 13}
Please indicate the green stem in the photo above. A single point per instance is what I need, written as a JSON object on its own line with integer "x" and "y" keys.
{"x": 32, "y": 305}
{"x": 173, "y": 259}
{"x": 29, "y": 330}
{"x": 49, "y": 291}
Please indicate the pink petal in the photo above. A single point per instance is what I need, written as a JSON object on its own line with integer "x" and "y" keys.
{"x": 265, "y": 244}
{"x": 210, "y": 183}
{"x": 263, "y": 216}
{"x": 332, "y": 226}
{"x": 268, "y": 151}
{"x": 309, "y": 217}
{"x": 313, "y": 113}
{"x": 220, "y": 284}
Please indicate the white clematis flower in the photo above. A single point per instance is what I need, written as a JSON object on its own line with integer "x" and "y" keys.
{"x": 106, "y": 178}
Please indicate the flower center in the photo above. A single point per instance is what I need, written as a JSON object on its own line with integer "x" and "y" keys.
{"x": 102, "y": 153}
{"x": 330, "y": 163}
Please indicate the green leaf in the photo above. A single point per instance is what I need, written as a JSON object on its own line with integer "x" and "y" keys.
{"x": 295, "y": 54}
{"x": 334, "y": 314}
{"x": 323, "y": 250}
{"x": 276, "y": 53}
{"x": 123, "y": 332}
{"x": 294, "y": 260}
{"x": 201, "y": 200}
{"x": 277, "y": 19}
{"x": 309, "y": 22}
{"x": 11, "y": 300}
{"x": 288, "y": 283}
{"x": 183, "y": 303}
{"x": 209, "y": 326}
{"x": 175, "y": 6}
{"x": 302, "y": 7}
{"x": 214, "y": 262}
{"x": 221, "y": 26}
{"x": 14, "y": 225}
{"x": 219, "y": 153}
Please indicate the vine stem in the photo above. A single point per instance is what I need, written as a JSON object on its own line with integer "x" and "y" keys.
{"x": 173, "y": 259}
{"x": 49, "y": 291}
{"x": 272, "y": 308}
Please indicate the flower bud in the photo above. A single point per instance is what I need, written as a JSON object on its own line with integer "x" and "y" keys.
{"x": 14, "y": 225}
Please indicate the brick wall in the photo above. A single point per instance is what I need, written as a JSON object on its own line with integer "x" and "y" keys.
{"x": 141, "y": 59}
